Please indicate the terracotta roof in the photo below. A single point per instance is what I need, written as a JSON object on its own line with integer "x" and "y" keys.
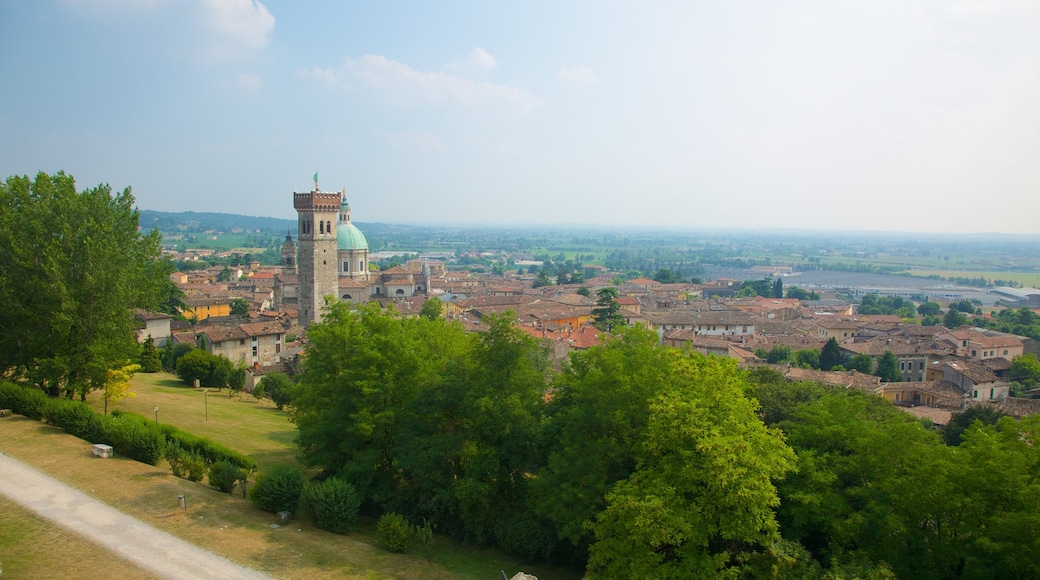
{"x": 856, "y": 379}
{"x": 262, "y": 328}
{"x": 938, "y": 416}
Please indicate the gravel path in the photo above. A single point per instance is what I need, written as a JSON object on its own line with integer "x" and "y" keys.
{"x": 152, "y": 549}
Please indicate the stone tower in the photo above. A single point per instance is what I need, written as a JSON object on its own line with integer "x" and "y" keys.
{"x": 289, "y": 254}
{"x": 318, "y": 212}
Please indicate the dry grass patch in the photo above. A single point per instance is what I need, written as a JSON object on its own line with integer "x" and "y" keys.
{"x": 35, "y": 547}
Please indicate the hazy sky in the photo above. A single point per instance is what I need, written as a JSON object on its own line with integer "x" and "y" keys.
{"x": 870, "y": 115}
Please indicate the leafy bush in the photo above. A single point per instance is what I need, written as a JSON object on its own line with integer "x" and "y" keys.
{"x": 195, "y": 466}
{"x": 175, "y": 456}
{"x": 223, "y": 476}
{"x": 334, "y": 505}
{"x": 278, "y": 490}
{"x": 394, "y": 532}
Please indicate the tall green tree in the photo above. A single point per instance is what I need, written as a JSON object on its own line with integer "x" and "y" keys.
{"x": 149, "y": 361}
{"x": 888, "y": 368}
{"x": 702, "y": 491}
{"x": 607, "y": 314}
{"x": 432, "y": 308}
{"x": 778, "y": 288}
{"x": 239, "y": 307}
{"x": 73, "y": 266}
{"x": 862, "y": 363}
{"x": 830, "y": 354}
{"x": 954, "y": 318}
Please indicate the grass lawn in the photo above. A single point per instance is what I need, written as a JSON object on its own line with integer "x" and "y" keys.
{"x": 262, "y": 432}
{"x": 224, "y": 524}
{"x": 34, "y": 547}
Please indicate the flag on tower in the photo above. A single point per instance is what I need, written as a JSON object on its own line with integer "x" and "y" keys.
{"x": 315, "y": 180}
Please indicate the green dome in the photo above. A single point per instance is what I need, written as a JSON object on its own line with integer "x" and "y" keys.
{"x": 348, "y": 237}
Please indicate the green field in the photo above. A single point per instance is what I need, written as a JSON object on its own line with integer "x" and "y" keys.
{"x": 260, "y": 431}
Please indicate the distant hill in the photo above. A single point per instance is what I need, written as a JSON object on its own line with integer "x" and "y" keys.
{"x": 201, "y": 221}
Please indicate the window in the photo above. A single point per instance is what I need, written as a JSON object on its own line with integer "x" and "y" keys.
{"x": 975, "y": 394}
{"x": 1005, "y": 352}
{"x": 254, "y": 352}
{"x": 902, "y": 366}
{"x": 346, "y": 267}
{"x": 991, "y": 393}
{"x": 922, "y": 366}
{"x": 241, "y": 341}
{"x": 973, "y": 353}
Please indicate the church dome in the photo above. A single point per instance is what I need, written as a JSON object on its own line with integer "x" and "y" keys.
{"x": 348, "y": 237}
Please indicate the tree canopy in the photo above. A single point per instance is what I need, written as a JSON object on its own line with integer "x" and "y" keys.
{"x": 73, "y": 267}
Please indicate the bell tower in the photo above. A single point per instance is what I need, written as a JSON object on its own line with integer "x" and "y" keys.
{"x": 318, "y": 212}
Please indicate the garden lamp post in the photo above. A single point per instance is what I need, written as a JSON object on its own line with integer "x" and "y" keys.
{"x": 206, "y": 402}
{"x": 156, "y": 415}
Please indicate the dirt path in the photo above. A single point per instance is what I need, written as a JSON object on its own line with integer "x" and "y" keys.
{"x": 152, "y": 549}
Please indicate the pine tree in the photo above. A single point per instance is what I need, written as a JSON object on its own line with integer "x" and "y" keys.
{"x": 150, "y": 362}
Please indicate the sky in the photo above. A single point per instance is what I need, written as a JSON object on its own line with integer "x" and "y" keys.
{"x": 887, "y": 115}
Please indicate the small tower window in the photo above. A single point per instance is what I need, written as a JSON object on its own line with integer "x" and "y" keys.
{"x": 321, "y": 227}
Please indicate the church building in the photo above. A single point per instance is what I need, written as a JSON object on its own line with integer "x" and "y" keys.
{"x": 331, "y": 259}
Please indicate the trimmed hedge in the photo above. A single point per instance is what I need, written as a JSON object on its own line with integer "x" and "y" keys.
{"x": 130, "y": 435}
{"x": 128, "y": 438}
{"x": 210, "y": 451}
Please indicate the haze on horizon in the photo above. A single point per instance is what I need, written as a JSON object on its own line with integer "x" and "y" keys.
{"x": 915, "y": 116}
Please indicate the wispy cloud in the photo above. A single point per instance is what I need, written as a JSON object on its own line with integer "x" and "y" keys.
{"x": 237, "y": 24}
{"x": 409, "y": 85}
{"x": 577, "y": 75}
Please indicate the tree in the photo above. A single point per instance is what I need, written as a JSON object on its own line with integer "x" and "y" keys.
{"x": 199, "y": 365}
{"x": 1025, "y": 370}
{"x": 665, "y": 276}
{"x": 702, "y": 489}
{"x": 541, "y": 280}
{"x": 607, "y": 315}
{"x": 780, "y": 353}
{"x": 959, "y": 422}
{"x": 74, "y": 268}
{"x": 830, "y": 354}
{"x": 150, "y": 362}
{"x": 278, "y": 386}
{"x": 797, "y": 293}
{"x": 117, "y": 385}
{"x": 954, "y": 318}
{"x": 888, "y": 368}
{"x": 778, "y": 288}
{"x": 928, "y": 308}
{"x": 584, "y": 291}
{"x": 432, "y": 308}
{"x": 239, "y": 307}
{"x": 807, "y": 358}
{"x": 862, "y": 363}
{"x": 258, "y": 393}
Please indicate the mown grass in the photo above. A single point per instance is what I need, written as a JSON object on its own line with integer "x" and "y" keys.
{"x": 241, "y": 423}
{"x": 35, "y": 547}
{"x": 230, "y": 525}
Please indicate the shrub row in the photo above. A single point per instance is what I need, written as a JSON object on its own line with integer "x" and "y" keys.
{"x": 131, "y": 435}
{"x": 140, "y": 442}
{"x": 205, "y": 448}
